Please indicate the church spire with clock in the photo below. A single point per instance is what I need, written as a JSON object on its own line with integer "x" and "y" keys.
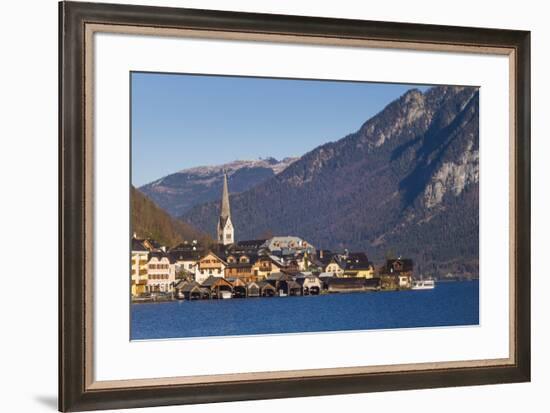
{"x": 225, "y": 226}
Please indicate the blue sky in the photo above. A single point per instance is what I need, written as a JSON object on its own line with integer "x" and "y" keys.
{"x": 181, "y": 121}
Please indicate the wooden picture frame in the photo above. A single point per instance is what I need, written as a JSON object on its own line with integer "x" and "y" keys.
{"x": 77, "y": 23}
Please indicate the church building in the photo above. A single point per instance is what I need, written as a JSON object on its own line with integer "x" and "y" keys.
{"x": 226, "y": 233}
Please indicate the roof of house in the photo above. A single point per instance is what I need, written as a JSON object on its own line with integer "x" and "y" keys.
{"x": 218, "y": 254}
{"x": 183, "y": 255}
{"x": 251, "y": 243}
{"x": 287, "y": 243}
{"x": 292, "y": 284}
{"x": 308, "y": 279}
{"x": 407, "y": 264}
{"x": 158, "y": 255}
{"x": 324, "y": 257}
{"x": 137, "y": 245}
{"x": 277, "y": 276}
{"x": 265, "y": 284}
{"x": 276, "y": 260}
{"x": 191, "y": 286}
{"x": 251, "y": 257}
{"x": 180, "y": 284}
{"x": 154, "y": 243}
{"x": 236, "y": 282}
{"x": 356, "y": 261}
{"x": 304, "y": 274}
{"x": 212, "y": 280}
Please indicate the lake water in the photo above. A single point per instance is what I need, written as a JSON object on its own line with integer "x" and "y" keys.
{"x": 449, "y": 304}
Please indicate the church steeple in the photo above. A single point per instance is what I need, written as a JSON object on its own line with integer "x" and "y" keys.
{"x": 225, "y": 226}
{"x": 225, "y": 210}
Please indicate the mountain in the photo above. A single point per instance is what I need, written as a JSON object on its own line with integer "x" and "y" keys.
{"x": 179, "y": 192}
{"x": 150, "y": 221}
{"x": 405, "y": 183}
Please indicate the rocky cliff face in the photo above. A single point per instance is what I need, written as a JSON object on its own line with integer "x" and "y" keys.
{"x": 405, "y": 183}
{"x": 178, "y": 192}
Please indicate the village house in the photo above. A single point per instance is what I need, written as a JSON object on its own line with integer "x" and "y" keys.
{"x": 403, "y": 269}
{"x": 396, "y": 274}
{"x": 334, "y": 266}
{"x": 161, "y": 275}
{"x": 357, "y": 265}
{"x": 264, "y": 266}
{"x": 291, "y": 266}
{"x": 138, "y": 275}
{"x": 327, "y": 262}
{"x": 209, "y": 265}
{"x": 311, "y": 285}
{"x": 241, "y": 267}
{"x": 184, "y": 261}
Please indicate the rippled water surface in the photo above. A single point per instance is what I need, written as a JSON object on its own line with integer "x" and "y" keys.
{"x": 449, "y": 304}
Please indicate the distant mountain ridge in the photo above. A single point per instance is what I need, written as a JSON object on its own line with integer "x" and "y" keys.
{"x": 405, "y": 183}
{"x": 179, "y": 192}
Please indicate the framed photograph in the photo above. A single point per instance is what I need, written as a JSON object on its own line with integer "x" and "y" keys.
{"x": 264, "y": 206}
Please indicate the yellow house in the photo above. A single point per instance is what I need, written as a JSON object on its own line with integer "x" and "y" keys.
{"x": 360, "y": 273}
{"x": 264, "y": 266}
{"x": 334, "y": 267}
{"x": 138, "y": 274}
{"x": 357, "y": 265}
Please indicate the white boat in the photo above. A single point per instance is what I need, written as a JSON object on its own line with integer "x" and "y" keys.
{"x": 225, "y": 294}
{"x": 423, "y": 285}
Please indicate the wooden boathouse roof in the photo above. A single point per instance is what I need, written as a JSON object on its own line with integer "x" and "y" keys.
{"x": 213, "y": 282}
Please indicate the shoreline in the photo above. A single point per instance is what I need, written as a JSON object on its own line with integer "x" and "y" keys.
{"x": 173, "y": 298}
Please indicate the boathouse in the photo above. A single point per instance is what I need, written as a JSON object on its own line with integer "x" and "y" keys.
{"x": 267, "y": 289}
{"x": 252, "y": 289}
{"x": 289, "y": 287}
{"x": 284, "y": 284}
{"x": 239, "y": 287}
{"x": 218, "y": 287}
{"x": 193, "y": 291}
{"x": 311, "y": 285}
{"x": 343, "y": 285}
